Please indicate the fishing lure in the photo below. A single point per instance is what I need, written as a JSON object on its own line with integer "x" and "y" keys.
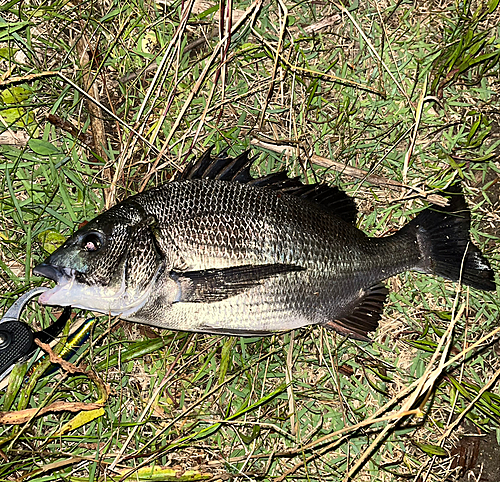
{"x": 74, "y": 342}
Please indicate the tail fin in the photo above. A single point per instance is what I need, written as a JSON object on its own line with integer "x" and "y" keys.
{"x": 445, "y": 245}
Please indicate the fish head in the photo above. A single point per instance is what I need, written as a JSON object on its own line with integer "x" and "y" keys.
{"x": 109, "y": 265}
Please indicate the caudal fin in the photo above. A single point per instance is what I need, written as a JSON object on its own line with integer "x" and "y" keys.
{"x": 445, "y": 244}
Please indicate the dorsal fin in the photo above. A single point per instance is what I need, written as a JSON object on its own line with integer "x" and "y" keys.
{"x": 225, "y": 168}
{"x": 221, "y": 167}
{"x": 195, "y": 169}
{"x": 330, "y": 197}
{"x": 237, "y": 169}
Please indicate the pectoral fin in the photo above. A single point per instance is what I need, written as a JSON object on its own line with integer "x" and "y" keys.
{"x": 211, "y": 285}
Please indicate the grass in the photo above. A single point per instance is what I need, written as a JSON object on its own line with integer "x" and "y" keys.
{"x": 408, "y": 92}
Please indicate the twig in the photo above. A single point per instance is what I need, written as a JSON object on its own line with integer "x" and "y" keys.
{"x": 105, "y": 109}
{"x": 352, "y": 171}
{"x": 309, "y": 459}
{"x": 152, "y": 399}
{"x": 11, "y": 138}
{"x": 189, "y": 409}
{"x": 469, "y": 407}
{"x": 334, "y": 78}
{"x": 418, "y": 118}
{"x": 153, "y": 66}
{"x": 323, "y": 23}
{"x": 372, "y": 48}
{"x": 276, "y": 61}
{"x": 162, "y": 70}
{"x": 376, "y": 417}
{"x": 10, "y": 134}
{"x": 424, "y": 386}
{"x": 104, "y": 389}
{"x": 292, "y": 409}
{"x": 70, "y": 128}
{"x": 28, "y": 78}
{"x": 96, "y": 118}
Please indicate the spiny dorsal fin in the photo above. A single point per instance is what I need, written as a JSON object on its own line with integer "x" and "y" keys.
{"x": 330, "y": 198}
{"x": 364, "y": 316}
{"x": 225, "y": 168}
{"x": 195, "y": 168}
{"x": 221, "y": 167}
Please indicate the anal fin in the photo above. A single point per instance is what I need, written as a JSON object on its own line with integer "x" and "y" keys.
{"x": 233, "y": 331}
{"x": 363, "y": 314}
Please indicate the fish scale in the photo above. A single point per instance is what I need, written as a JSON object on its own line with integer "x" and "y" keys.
{"x": 265, "y": 230}
{"x": 218, "y": 251}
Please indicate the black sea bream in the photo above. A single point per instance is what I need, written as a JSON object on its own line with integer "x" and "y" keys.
{"x": 216, "y": 251}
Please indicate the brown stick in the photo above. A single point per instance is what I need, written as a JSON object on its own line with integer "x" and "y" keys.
{"x": 96, "y": 116}
{"x": 70, "y": 128}
{"x": 10, "y": 138}
{"x": 27, "y": 78}
{"x": 353, "y": 171}
{"x": 104, "y": 388}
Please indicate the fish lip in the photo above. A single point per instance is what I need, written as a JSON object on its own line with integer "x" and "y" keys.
{"x": 55, "y": 273}
{"x": 64, "y": 278}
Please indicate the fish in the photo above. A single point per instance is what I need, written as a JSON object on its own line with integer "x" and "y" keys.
{"x": 217, "y": 251}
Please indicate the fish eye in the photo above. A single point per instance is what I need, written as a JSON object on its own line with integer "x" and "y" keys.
{"x": 92, "y": 241}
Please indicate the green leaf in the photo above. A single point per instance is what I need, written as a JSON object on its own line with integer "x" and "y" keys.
{"x": 134, "y": 350}
{"x": 164, "y": 474}
{"x": 8, "y": 28}
{"x": 7, "y": 53}
{"x": 8, "y": 5}
{"x": 265, "y": 399}
{"x": 51, "y": 240}
{"x": 42, "y": 147}
{"x": 208, "y": 11}
{"x": 248, "y": 439}
{"x": 492, "y": 5}
{"x": 15, "y": 381}
{"x": 431, "y": 449}
{"x": 428, "y": 346}
{"x": 225, "y": 360}
{"x": 13, "y": 116}
{"x": 15, "y": 95}
{"x": 442, "y": 315}
{"x": 79, "y": 420}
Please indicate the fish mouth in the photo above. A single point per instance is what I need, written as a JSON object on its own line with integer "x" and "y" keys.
{"x": 55, "y": 273}
{"x": 64, "y": 278}
{"x": 115, "y": 299}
